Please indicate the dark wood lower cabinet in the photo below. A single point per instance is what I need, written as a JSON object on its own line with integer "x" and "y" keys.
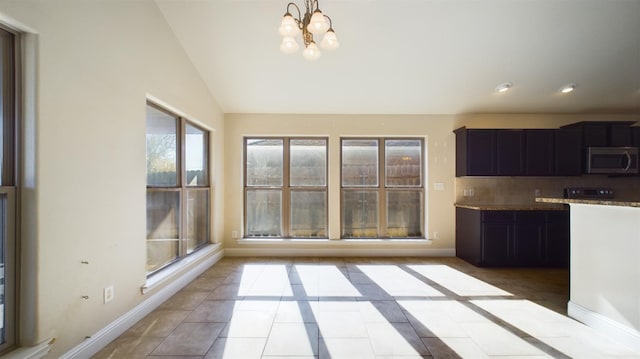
{"x": 513, "y": 238}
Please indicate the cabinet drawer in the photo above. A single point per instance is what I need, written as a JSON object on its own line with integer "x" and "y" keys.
{"x": 497, "y": 216}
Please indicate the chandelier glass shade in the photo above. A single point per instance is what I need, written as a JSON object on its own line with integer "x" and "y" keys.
{"x": 312, "y": 22}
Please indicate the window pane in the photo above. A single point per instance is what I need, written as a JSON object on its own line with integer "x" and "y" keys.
{"x": 360, "y": 214}
{"x": 404, "y": 213}
{"x": 360, "y": 163}
{"x": 264, "y": 162}
{"x": 196, "y": 156}
{"x": 308, "y": 162}
{"x": 309, "y": 214}
{"x": 7, "y": 109}
{"x": 264, "y": 209}
{"x": 403, "y": 159}
{"x": 9, "y": 272}
{"x": 162, "y": 149}
{"x": 197, "y": 218}
{"x": 163, "y": 208}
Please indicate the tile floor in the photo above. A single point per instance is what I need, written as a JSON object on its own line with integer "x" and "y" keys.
{"x": 365, "y": 308}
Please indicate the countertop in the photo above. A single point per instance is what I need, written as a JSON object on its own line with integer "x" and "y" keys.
{"x": 549, "y": 206}
{"x": 602, "y": 202}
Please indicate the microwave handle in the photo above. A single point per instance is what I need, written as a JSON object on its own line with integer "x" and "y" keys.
{"x": 626, "y": 153}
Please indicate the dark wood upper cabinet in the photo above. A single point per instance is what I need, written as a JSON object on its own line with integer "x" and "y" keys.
{"x": 595, "y": 135}
{"x": 620, "y": 136}
{"x": 510, "y": 150}
{"x": 605, "y": 134}
{"x": 568, "y": 155}
{"x": 635, "y": 136}
{"x": 540, "y": 149}
{"x": 475, "y": 152}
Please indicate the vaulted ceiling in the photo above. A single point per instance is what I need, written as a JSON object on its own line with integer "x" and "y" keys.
{"x": 419, "y": 56}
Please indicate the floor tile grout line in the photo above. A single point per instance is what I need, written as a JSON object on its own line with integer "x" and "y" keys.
{"x": 345, "y": 268}
{"x": 466, "y": 301}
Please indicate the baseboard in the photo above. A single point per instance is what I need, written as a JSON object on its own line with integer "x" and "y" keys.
{"x": 112, "y": 331}
{"x": 620, "y": 333}
{"x": 339, "y": 252}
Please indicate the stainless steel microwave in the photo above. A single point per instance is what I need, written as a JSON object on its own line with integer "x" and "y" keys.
{"x": 612, "y": 160}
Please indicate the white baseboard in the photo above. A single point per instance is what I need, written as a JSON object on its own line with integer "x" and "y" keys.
{"x": 618, "y": 332}
{"x": 339, "y": 252}
{"x": 112, "y": 331}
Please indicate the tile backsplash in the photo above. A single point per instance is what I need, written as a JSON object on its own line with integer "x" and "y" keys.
{"x": 523, "y": 190}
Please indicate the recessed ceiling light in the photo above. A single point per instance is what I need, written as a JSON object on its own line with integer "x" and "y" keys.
{"x": 567, "y": 88}
{"x": 504, "y": 87}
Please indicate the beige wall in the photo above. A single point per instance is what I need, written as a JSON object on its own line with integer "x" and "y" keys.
{"x": 440, "y": 152}
{"x": 437, "y": 129}
{"x": 96, "y": 63}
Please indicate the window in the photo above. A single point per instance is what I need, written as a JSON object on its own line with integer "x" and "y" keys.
{"x": 382, "y": 188}
{"x": 178, "y": 189}
{"x": 286, "y": 187}
{"x": 8, "y": 181}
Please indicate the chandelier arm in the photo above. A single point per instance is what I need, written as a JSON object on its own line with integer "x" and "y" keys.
{"x": 330, "y": 22}
{"x": 299, "y": 19}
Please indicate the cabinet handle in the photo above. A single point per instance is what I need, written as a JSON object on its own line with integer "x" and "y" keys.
{"x": 628, "y": 161}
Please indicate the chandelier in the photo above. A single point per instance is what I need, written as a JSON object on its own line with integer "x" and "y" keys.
{"x": 314, "y": 22}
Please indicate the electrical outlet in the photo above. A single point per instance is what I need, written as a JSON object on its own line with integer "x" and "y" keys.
{"x": 537, "y": 192}
{"x": 108, "y": 294}
{"x": 436, "y": 235}
{"x": 438, "y": 186}
{"x": 234, "y": 234}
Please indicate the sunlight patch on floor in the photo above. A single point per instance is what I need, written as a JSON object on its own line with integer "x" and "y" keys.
{"x": 448, "y": 319}
{"x": 460, "y": 283}
{"x": 263, "y": 280}
{"x": 397, "y": 282}
{"x": 325, "y": 281}
{"x": 564, "y": 334}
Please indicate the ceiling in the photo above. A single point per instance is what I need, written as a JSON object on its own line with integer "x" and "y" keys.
{"x": 419, "y": 56}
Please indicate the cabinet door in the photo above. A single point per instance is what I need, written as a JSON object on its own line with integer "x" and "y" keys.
{"x": 557, "y": 239}
{"x": 539, "y": 152}
{"x": 510, "y": 152}
{"x": 468, "y": 236}
{"x": 635, "y": 136}
{"x": 496, "y": 244}
{"x": 481, "y": 152}
{"x": 620, "y": 136}
{"x": 595, "y": 136}
{"x": 568, "y": 154}
{"x": 529, "y": 239}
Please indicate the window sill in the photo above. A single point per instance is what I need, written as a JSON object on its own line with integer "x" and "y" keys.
{"x": 166, "y": 274}
{"x": 35, "y": 352}
{"x": 304, "y": 241}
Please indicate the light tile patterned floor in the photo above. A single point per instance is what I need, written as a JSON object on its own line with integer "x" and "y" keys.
{"x": 365, "y": 308}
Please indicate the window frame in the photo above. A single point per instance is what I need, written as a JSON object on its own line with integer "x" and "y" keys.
{"x": 182, "y": 187}
{"x": 383, "y": 189}
{"x": 9, "y": 184}
{"x": 286, "y": 189}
